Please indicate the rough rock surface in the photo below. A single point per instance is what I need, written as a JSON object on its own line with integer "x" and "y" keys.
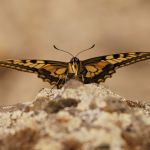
{"x": 76, "y": 117}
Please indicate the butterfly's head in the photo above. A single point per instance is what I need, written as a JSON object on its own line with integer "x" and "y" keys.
{"x": 74, "y": 60}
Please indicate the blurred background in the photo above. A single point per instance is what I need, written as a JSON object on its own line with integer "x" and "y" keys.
{"x": 28, "y": 29}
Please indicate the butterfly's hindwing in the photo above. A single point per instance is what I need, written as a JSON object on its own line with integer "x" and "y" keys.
{"x": 53, "y": 72}
{"x": 98, "y": 69}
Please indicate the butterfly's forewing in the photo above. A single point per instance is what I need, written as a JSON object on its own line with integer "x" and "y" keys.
{"x": 53, "y": 72}
{"x": 99, "y": 68}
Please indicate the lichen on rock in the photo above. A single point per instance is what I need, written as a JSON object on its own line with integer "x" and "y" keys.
{"x": 76, "y": 117}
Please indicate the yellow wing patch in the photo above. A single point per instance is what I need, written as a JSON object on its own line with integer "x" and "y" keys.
{"x": 91, "y": 68}
{"x": 61, "y": 71}
{"x": 101, "y": 64}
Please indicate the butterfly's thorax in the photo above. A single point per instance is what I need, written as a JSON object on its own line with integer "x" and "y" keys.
{"x": 74, "y": 67}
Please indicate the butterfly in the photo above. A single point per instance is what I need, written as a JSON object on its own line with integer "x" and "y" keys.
{"x": 93, "y": 70}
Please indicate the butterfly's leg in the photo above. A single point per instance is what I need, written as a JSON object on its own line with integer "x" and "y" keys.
{"x": 59, "y": 83}
{"x": 66, "y": 77}
{"x": 83, "y": 78}
{"x": 55, "y": 85}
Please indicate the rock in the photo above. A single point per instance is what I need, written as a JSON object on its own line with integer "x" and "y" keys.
{"x": 80, "y": 117}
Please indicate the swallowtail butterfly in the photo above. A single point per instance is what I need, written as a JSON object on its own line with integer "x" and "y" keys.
{"x": 93, "y": 70}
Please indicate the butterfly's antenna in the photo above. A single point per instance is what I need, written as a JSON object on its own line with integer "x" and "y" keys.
{"x": 62, "y": 50}
{"x": 85, "y": 50}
